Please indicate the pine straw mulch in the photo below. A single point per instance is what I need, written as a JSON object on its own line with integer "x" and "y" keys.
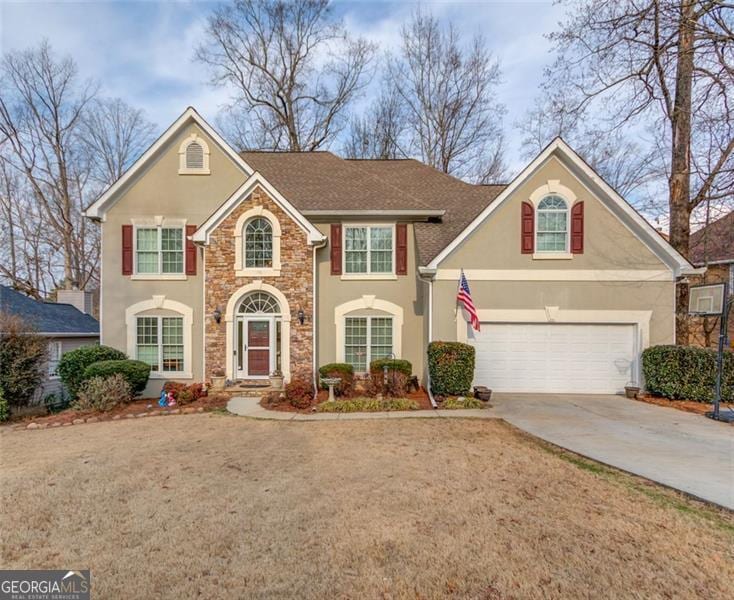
{"x": 420, "y": 396}
{"x": 691, "y": 406}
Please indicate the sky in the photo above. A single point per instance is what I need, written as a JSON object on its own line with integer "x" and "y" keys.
{"x": 143, "y": 52}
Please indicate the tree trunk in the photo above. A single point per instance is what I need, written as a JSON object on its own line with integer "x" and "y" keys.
{"x": 680, "y": 171}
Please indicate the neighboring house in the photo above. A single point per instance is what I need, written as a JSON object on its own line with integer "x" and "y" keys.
{"x": 67, "y": 324}
{"x": 260, "y": 261}
{"x": 713, "y": 247}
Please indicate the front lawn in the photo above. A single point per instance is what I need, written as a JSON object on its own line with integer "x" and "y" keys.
{"x": 214, "y": 506}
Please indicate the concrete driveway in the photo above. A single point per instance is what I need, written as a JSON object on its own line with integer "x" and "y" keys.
{"x": 681, "y": 450}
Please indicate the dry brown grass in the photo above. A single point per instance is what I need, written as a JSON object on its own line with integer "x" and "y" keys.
{"x": 213, "y": 506}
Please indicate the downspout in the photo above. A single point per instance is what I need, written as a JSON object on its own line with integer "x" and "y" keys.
{"x": 314, "y": 329}
{"x": 426, "y": 275}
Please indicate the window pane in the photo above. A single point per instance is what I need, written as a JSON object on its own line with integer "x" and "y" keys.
{"x": 355, "y": 249}
{"x": 259, "y": 244}
{"x": 551, "y": 242}
{"x": 172, "y": 337}
{"x": 172, "y": 248}
{"x": 355, "y": 343}
{"x": 147, "y": 250}
{"x": 381, "y": 337}
{"x": 147, "y": 341}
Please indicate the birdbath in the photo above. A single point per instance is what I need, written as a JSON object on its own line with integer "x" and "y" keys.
{"x": 331, "y": 382}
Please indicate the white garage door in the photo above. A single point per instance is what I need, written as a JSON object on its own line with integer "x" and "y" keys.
{"x": 560, "y": 358}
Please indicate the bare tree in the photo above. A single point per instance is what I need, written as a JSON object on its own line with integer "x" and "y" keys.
{"x": 293, "y": 68}
{"x": 380, "y": 133}
{"x": 449, "y": 91}
{"x": 668, "y": 64}
{"x": 114, "y": 134}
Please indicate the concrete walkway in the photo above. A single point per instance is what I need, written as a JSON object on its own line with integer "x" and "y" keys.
{"x": 250, "y": 407}
{"x": 681, "y": 450}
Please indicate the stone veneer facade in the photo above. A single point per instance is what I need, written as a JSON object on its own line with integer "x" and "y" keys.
{"x": 295, "y": 282}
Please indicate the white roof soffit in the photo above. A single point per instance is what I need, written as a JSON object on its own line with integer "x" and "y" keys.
{"x": 202, "y": 234}
{"x": 611, "y": 199}
{"x": 98, "y": 208}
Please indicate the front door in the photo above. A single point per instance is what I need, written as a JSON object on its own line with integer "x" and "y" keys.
{"x": 253, "y": 348}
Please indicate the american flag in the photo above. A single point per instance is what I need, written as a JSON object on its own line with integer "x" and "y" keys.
{"x": 463, "y": 297}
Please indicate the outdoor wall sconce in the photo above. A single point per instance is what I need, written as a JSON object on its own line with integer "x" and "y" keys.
{"x": 301, "y": 316}
{"x": 217, "y": 314}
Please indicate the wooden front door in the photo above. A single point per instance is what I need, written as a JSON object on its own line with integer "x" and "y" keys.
{"x": 258, "y": 348}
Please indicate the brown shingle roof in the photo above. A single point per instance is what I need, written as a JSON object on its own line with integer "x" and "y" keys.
{"x": 323, "y": 181}
{"x": 714, "y": 243}
{"x": 462, "y": 201}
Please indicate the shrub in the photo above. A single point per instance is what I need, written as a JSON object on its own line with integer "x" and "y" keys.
{"x": 56, "y": 401}
{"x": 451, "y": 366}
{"x": 136, "y": 372}
{"x": 342, "y": 370}
{"x": 72, "y": 364}
{"x": 453, "y": 403}
{"x": 686, "y": 373}
{"x": 183, "y": 393}
{"x": 392, "y": 364}
{"x": 22, "y": 360}
{"x": 299, "y": 392}
{"x": 4, "y": 411}
{"x": 367, "y": 405}
{"x": 399, "y": 373}
{"x": 103, "y": 393}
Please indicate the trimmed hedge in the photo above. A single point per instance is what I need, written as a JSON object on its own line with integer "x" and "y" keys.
{"x": 342, "y": 370}
{"x": 135, "y": 372}
{"x": 451, "y": 366}
{"x": 72, "y": 364}
{"x": 686, "y": 373}
{"x": 392, "y": 364}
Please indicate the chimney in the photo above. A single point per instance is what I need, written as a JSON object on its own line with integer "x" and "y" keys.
{"x": 76, "y": 297}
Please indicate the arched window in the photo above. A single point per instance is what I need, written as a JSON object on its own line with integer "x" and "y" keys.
{"x": 551, "y": 225}
{"x": 258, "y": 244}
{"x": 193, "y": 156}
{"x": 259, "y": 303}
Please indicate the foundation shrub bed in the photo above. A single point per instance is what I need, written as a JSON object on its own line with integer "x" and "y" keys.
{"x": 686, "y": 373}
{"x": 396, "y": 384}
{"x": 185, "y": 393}
{"x": 453, "y": 403}
{"x": 73, "y": 364}
{"x": 451, "y": 366}
{"x": 135, "y": 372}
{"x": 367, "y": 405}
{"x": 103, "y": 393}
{"x": 343, "y": 371}
{"x": 299, "y": 393}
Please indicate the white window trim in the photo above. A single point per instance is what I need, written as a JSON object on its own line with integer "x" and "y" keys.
{"x": 552, "y": 188}
{"x": 54, "y": 374}
{"x": 161, "y": 303}
{"x": 368, "y": 340}
{"x": 239, "y": 240}
{"x": 368, "y": 275}
{"x": 368, "y": 303}
{"x": 182, "y": 168}
{"x": 158, "y": 222}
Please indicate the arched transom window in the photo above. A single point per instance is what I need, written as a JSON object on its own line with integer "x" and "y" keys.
{"x": 259, "y": 303}
{"x": 552, "y": 225}
{"x": 258, "y": 243}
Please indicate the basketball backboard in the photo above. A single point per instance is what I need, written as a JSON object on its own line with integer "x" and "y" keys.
{"x": 706, "y": 300}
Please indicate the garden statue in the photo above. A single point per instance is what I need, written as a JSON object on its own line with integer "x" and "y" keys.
{"x": 163, "y": 400}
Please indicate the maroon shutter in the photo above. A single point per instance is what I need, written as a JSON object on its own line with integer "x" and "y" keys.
{"x": 528, "y": 228}
{"x": 190, "y": 251}
{"x": 577, "y": 228}
{"x": 401, "y": 249}
{"x": 127, "y": 249}
{"x": 336, "y": 249}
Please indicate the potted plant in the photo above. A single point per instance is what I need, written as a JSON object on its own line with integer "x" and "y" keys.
{"x": 218, "y": 379}
{"x": 276, "y": 379}
{"x": 631, "y": 390}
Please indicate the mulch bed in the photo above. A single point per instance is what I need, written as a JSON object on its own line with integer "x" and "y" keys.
{"x": 421, "y": 397}
{"x": 690, "y": 406}
{"x": 141, "y": 407}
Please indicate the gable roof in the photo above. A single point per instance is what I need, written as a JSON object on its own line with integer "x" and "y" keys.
{"x": 713, "y": 243}
{"x": 48, "y": 318}
{"x": 98, "y": 208}
{"x": 629, "y": 217}
{"x": 202, "y": 234}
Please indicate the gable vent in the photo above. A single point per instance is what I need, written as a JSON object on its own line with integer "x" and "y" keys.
{"x": 194, "y": 156}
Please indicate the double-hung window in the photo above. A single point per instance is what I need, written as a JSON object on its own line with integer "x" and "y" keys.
{"x": 552, "y": 225}
{"x": 159, "y": 250}
{"x": 160, "y": 343}
{"x": 368, "y": 249}
{"x": 367, "y": 339}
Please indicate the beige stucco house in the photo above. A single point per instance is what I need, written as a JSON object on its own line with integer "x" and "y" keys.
{"x": 261, "y": 261}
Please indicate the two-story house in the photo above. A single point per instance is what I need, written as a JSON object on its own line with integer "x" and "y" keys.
{"x": 257, "y": 261}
